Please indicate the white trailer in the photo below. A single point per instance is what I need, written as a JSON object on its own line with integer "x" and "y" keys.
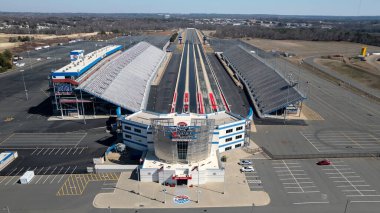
{"x": 27, "y": 177}
{"x": 6, "y": 158}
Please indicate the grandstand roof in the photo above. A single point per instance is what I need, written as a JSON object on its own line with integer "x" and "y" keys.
{"x": 78, "y": 67}
{"x": 269, "y": 90}
{"x": 125, "y": 80}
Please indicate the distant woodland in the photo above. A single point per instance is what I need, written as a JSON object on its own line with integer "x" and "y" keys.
{"x": 354, "y": 29}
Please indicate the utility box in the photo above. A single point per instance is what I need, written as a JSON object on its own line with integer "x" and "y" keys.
{"x": 27, "y": 177}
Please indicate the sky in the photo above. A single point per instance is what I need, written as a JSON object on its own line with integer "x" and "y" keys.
{"x": 277, "y": 7}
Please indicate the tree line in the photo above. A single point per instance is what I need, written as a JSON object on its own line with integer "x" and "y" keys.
{"x": 5, "y": 60}
{"x": 309, "y": 34}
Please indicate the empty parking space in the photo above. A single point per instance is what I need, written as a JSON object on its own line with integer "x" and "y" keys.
{"x": 348, "y": 181}
{"x": 76, "y": 183}
{"x": 54, "y": 151}
{"x": 330, "y": 141}
{"x": 43, "y": 139}
{"x": 43, "y": 175}
{"x": 294, "y": 178}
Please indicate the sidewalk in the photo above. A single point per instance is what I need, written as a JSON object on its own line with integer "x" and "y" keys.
{"x": 80, "y": 117}
{"x": 211, "y": 194}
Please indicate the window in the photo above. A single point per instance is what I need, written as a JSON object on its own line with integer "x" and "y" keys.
{"x": 127, "y": 127}
{"x": 238, "y": 136}
{"x": 227, "y": 148}
{"x": 182, "y": 150}
{"x": 238, "y": 145}
{"x": 138, "y": 130}
{"x": 229, "y": 130}
{"x": 239, "y": 128}
{"x": 127, "y": 136}
{"x": 228, "y": 139}
{"x": 149, "y": 133}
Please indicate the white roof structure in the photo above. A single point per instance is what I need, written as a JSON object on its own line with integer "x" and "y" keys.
{"x": 221, "y": 117}
{"x": 78, "y": 67}
{"x": 125, "y": 80}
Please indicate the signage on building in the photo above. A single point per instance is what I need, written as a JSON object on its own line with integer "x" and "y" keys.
{"x": 63, "y": 88}
{"x": 181, "y": 132}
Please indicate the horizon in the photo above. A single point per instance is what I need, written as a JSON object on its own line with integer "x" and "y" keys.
{"x": 359, "y": 8}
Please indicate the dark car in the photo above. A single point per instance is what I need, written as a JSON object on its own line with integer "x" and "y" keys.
{"x": 324, "y": 162}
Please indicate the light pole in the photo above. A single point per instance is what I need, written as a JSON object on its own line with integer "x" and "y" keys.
{"x": 23, "y": 81}
{"x": 198, "y": 184}
{"x": 6, "y": 209}
{"x": 81, "y": 98}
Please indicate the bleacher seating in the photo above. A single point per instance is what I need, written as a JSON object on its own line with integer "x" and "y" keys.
{"x": 270, "y": 91}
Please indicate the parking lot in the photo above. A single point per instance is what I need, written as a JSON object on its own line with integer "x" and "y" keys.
{"x": 44, "y": 175}
{"x": 42, "y": 139}
{"x": 331, "y": 141}
{"x": 253, "y": 179}
{"x": 302, "y": 182}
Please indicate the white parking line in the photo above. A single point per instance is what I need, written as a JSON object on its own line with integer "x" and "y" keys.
{"x": 351, "y": 186}
{"x": 335, "y": 173}
{"x": 296, "y": 187}
{"x": 81, "y": 139}
{"x": 303, "y": 192}
{"x": 295, "y": 170}
{"x": 46, "y": 151}
{"x": 13, "y": 176}
{"x": 63, "y": 174}
{"x": 290, "y": 175}
{"x": 69, "y": 151}
{"x": 49, "y": 175}
{"x": 365, "y": 190}
{"x": 76, "y": 149}
{"x": 345, "y": 181}
{"x": 363, "y": 195}
{"x": 6, "y": 176}
{"x": 51, "y": 151}
{"x": 299, "y": 182}
{"x": 310, "y": 203}
{"x": 63, "y": 151}
{"x": 57, "y": 151}
{"x": 295, "y": 178}
{"x": 59, "y": 172}
{"x": 40, "y": 151}
{"x": 42, "y": 175}
{"x": 81, "y": 151}
{"x": 34, "y": 151}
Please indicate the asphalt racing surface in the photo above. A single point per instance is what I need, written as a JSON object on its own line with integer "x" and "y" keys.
{"x": 181, "y": 80}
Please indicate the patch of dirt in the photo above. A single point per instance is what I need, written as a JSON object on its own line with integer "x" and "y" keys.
{"x": 366, "y": 78}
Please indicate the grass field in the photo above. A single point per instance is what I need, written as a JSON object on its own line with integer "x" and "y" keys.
{"x": 361, "y": 76}
{"x": 5, "y": 44}
{"x": 311, "y": 48}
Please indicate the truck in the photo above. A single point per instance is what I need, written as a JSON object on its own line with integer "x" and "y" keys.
{"x": 27, "y": 177}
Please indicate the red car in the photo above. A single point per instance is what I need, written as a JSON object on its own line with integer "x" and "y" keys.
{"x": 324, "y": 162}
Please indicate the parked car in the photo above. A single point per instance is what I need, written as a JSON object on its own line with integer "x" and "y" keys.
{"x": 245, "y": 162}
{"x": 324, "y": 162}
{"x": 247, "y": 169}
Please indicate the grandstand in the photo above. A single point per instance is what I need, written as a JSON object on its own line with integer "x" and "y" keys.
{"x": 269, "y": 91}
{"x": 125, "y": 81}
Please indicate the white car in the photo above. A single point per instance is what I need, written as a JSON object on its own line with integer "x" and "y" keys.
{"x": 245, "y": 162}
{"x": 247, "y": 169}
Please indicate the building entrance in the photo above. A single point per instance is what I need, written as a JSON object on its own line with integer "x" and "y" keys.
{"x": 181, "y": 182}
